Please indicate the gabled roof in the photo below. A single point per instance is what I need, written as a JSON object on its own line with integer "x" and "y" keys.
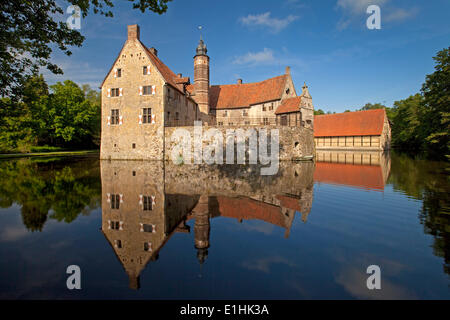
{"x": 169, "y": 76}
{"x": 234, "y": 96}
{"x": 359, "y": 123}
{"x": 289, "y": 105}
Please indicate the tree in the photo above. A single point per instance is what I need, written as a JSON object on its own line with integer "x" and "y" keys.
{"x": 370, "y": 106}
{"x": 407, "y": 126}
{"x": 73, "y": 119}
{"x": 318, "y": 112}
{"x": 436, "y": 115}
{"x": 29, "y": 30}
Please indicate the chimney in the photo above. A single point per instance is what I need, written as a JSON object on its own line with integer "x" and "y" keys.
{"x": 288, "y": 70}
{"x": 180, "y": 75}
{"x": 133, "y": 32}
{"x": 154, "y": 51}
{"x": 239, "y": 81}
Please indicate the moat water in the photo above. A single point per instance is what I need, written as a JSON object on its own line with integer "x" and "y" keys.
{"x": 158, "y": 231}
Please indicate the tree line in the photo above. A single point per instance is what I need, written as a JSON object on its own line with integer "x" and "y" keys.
{"x": 62, "y": 116}
{"x": 421, "y": 122}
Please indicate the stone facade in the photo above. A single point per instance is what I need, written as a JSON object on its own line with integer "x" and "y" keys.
{"x": 142, "y": 98}
{"x": 295, "y": 143}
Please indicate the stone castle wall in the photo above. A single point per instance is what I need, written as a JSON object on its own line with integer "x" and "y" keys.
{"x": 294, "y": 142}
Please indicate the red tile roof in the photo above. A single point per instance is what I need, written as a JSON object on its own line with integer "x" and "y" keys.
{"x": 169, "y": 76}
{"x": 289, "y": 105}
{"x": 359, "y": 123}
{"x": 362, "y": 176}
{"x": 248, "y": 209}
{"x": 289, "y": 202}
{"x": 233, "y": 96}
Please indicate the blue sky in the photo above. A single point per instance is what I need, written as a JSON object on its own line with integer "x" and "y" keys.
{"x": 326, "y": 43}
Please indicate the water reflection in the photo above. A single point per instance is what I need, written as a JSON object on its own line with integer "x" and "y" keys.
{"x": 59, "y": 189}
{"x": 145, "y": 203}
{"x": 244, "y": 231}
{"x": 369, "y": 170}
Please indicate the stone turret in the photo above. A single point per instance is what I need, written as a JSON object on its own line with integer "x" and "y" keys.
{"x": 201, "y": 228}
{"x": 201, "y": 77}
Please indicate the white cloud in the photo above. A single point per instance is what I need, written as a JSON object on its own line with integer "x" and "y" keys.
{"x": 275, "y": 25}
{"x": 256, "y": 58}
{"x": 355, "y": 10}
{"x": 399, "y": 14}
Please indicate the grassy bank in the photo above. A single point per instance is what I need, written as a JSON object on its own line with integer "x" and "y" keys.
{"x": 48, "y": 154}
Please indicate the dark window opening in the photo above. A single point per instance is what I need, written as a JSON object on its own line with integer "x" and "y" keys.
{"x": 147, "y": 203}
{"x": 115, "y": 201}
{"x": 148, "y": 228}
{"x": 147, "y": 115}
{"x": 146, "y": 90}
{"x": 115, "y": 116}
{"x": 119, "y": 73}
{"x": 115, "y": 92}
{"x": 115, "y": 225}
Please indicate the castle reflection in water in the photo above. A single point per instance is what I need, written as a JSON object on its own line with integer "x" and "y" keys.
{"x": 145, "y": 203}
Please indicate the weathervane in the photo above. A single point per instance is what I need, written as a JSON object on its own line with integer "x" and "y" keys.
{"x": 200, "y": 28}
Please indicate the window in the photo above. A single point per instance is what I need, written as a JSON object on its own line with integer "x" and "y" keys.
{"x": 148, "y": 228}
{"x": 271, "y": 106}
{"x": 115, "y": 92}
{"x": 147, "y": 246}
{"x": 147, "y": 115}
{"x": 147, "y": 203}
{"x": 284, "y": 120}
{"x": 244, "y": 113}
{"x": 220, "y": 123}
{"x": 144, "y": 70}
{"x": 119, "y": 73}
{"x": 115, "y": 116}
{"x": 266, "y": 121}
{"x": 168, "y": 115}
{"x": 114, "y": 225}
{"x": 230, "y": 123}
{"x": 146, "y": 90}
{"x": 225, "y": 113}
{"x": 247, "y": 123}
{"x": 115, "y": 201}
{"x": 288, "y": 90}
{"x": 264, "y": 108}
{"x": 176, "y": 116}
{"x": 133, "y": 145}
{"x": 118, "y": 244}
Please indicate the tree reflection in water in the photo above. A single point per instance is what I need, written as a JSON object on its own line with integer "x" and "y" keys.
{"x": 59, "y": 189}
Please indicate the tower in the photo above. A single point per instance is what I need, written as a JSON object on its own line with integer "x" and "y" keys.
{"x": 201, "y": 77}
{"x": 201, "y": 228}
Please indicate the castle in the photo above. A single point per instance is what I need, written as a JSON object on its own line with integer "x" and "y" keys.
{"x": 143, "y": 99}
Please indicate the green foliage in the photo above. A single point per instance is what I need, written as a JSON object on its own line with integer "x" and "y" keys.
{"x": 65, "y": 117}
{"x": 318, "y": 112}
{"x": 29, "y": 30}
{"x": 436, "y": 115}
{"x": 58, "y": 190}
